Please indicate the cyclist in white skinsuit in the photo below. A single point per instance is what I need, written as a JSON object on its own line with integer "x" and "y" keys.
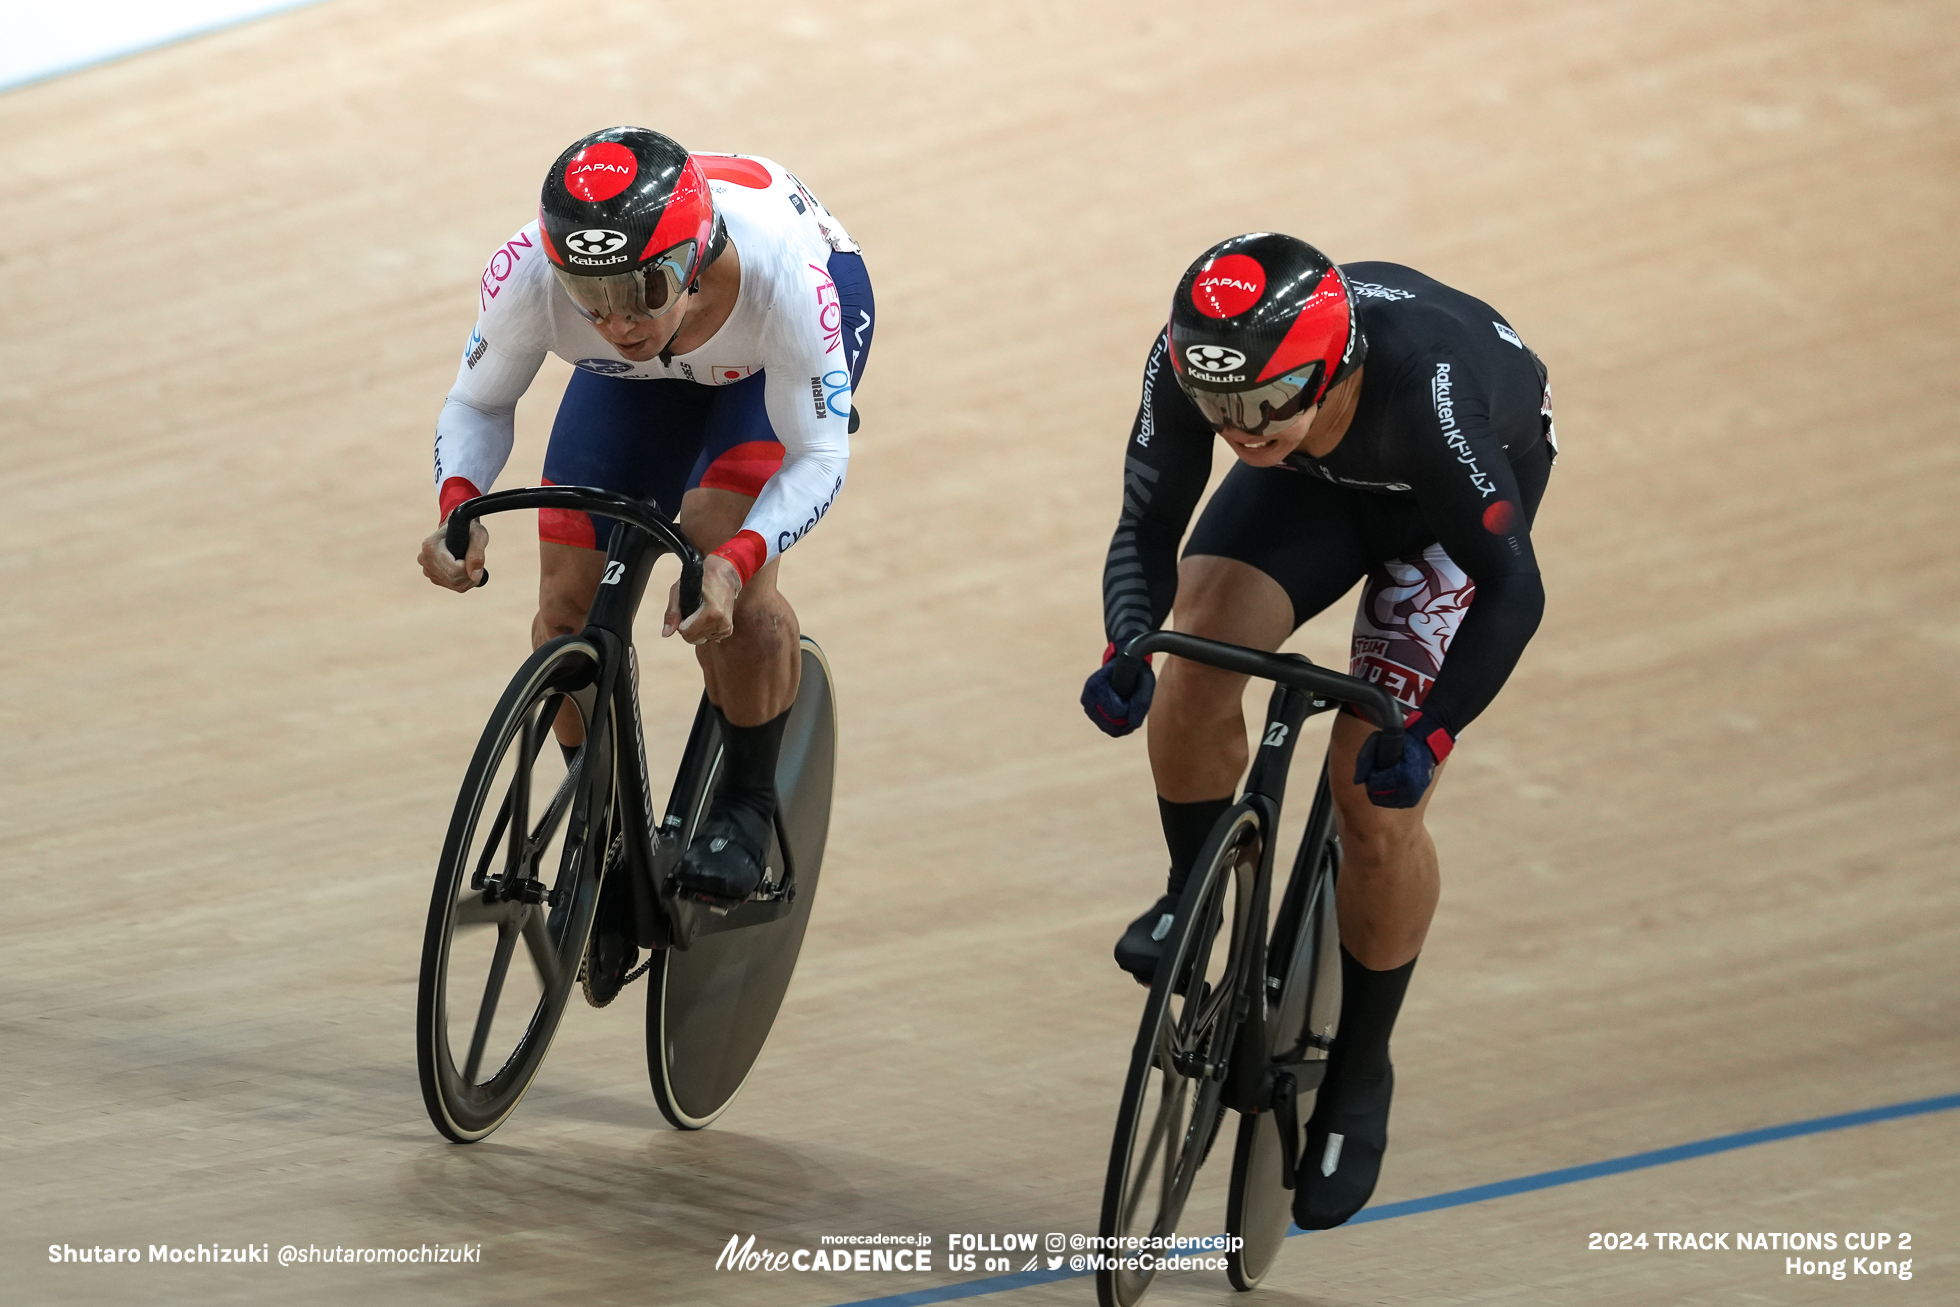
{"x": 787, "y": 324}
{"x": 719, "y": 318}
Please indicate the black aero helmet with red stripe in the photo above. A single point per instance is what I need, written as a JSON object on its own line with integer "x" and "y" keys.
{"x": 628, "y": 222}
{"x": 1262, "y": 327}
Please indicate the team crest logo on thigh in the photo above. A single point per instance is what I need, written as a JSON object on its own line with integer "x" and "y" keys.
{"x": 1410, "y": 611}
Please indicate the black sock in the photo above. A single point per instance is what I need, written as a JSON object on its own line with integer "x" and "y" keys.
{"x": 748, "y": 761}
{"x": 1370, "y": 1001}
{"x": 1185, "y": 827}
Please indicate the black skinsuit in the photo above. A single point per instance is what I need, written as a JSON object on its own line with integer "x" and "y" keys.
{"x": 1451, "y": 442}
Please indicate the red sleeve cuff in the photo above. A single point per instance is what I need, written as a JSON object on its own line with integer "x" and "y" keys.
{"x": 1431, "y": 733}
{"x": 455, "y": 491}
{"x": 747, "y": 551}
{"x": 1109, "y": 652}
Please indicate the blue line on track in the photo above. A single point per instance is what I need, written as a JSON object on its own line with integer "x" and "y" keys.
{"x": 1483, "y": 1192}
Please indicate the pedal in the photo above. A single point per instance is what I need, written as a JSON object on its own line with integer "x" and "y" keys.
{"x": 687, "y": 915}
{"x": 680, "y": 893}
{"x": 692, "y": 914}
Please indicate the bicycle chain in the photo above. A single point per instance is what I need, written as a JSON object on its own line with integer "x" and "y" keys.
{"x": 615, "y": 855}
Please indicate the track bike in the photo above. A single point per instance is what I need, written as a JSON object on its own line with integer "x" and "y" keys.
{"x": 545, "y": 839}
{"x": 1246, "y": 1026}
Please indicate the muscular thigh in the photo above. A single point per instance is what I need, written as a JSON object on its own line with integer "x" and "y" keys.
{"x": 710, "y": 518}
{"x": 1268, "y": 552}
{"x": 568, "y": 577}
{"x": 1295, "y": 529}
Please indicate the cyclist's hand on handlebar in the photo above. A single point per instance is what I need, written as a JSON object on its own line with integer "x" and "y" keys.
{"x": 1403, "y": 785}
{"x": 715, "y": 618}
{"x": 1113, "y": 714}
{"x": 442, "y": 568}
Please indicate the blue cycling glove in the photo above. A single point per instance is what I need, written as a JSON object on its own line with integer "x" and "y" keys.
{"x": 1112, "y": 714}
{"x": 1402, "y": 786}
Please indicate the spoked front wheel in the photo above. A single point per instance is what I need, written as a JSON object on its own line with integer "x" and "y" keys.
{"x": 1172, "y": 1100}
{"x": 710, "y": 1006}
{"x": 514, "y": 897}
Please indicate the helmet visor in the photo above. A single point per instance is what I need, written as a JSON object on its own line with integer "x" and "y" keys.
{"x": 649, "y": 291}
{"x": 1253, "y": 410}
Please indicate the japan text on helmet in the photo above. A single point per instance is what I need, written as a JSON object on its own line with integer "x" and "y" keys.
{"x": 1262, "y": 327}
{"x": 628, "y": 222}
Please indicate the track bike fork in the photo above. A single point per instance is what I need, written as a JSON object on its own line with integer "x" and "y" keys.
{"x": 1249, "y": 1084}
{"x": 630, "y": 556}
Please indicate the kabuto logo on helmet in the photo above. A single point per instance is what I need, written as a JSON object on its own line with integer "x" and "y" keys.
{"x": 600, "y": 171}
{"x": 1215, "y": 362}
{"x": 1231, "y": 285}
{"x": 596, "y": 240}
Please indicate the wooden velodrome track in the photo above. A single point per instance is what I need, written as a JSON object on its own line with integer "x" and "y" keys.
{"x": 1698, "y": 858}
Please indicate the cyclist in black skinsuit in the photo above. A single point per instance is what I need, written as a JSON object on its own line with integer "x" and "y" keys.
{"x": 1389, "y": 429}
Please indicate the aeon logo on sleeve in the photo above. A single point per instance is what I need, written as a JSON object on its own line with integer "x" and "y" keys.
{"x": 1228, "y": 286}
{"x": 1214, "y": 362}
{"x": 830, "y": 310}
{"x": 596, "y": 240}
{"x": 601, "y": 171}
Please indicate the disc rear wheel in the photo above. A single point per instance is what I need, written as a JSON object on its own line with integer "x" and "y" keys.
{"x": 710, "y": 1007}
{"x": 1304, "y": 984}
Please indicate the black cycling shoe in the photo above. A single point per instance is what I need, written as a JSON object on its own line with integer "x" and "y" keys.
{"x": 609, "y": 960}
{"x": 1346, "y": 1137}
{"x": 1143, "y": 942}
{"x": 724, "y": 863}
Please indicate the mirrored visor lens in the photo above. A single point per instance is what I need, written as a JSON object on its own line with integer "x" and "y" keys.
{"x": 649, "y": 291}
{"x": 1252, "y": 410}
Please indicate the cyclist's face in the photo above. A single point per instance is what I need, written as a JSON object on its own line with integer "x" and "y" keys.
{"x": 1271, "y": 446}
{"x": 639, "y": 339}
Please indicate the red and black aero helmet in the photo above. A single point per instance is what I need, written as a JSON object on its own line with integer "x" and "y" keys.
{"x": 1262, "y": 326}
{"x": 628, "y": 222}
